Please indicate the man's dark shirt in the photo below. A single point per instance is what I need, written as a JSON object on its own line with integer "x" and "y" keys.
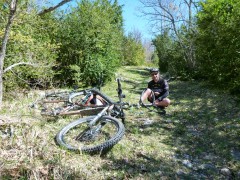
{"x": 161, "y": 86}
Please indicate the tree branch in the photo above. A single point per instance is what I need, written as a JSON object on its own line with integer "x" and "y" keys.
{"x": 53, "y": 8}
{"x": 17, "y": 64}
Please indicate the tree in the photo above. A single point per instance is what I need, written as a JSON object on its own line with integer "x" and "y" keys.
{"x": 91, "y": 38}
{"x": 12, "y": 7}
{"x": 133, "y": 50}
{"x": 169, "y": 54}
{"x": 176, "y": 17}
{"x": 218, "y": 43}
{"x": 149, "y": 51}
{"x": 12, "y": 11}
{"x": 50, "y": 9}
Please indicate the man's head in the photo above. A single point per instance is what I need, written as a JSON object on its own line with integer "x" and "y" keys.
{"x": 154, "y": 70}
{"x": 154, "y": 74}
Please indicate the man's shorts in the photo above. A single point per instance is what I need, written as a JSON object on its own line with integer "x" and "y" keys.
{"x": 151, "y": 100}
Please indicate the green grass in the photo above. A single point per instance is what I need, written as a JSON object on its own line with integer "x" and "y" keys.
{"x": 198, "y": 136}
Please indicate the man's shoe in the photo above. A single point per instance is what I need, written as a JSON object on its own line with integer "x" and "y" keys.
{"x": 140, "y": 103}
{"x": 161, "y": 107}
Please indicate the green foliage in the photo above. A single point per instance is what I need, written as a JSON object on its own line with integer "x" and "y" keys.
{"x": 155, "y": 58}
{"x": 170, "y": 54}
{"x": 3, "y": 13}
{"x": 91, "y": 39}
{"x": 219, "y": 42}
{"x": 133, "y": 51}
{"x": 29, "y": 43}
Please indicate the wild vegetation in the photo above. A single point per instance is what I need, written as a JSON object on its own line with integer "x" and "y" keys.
{"x": 198, "y": 39}
{"x": 85, "y": 43}
{"x": 44, "y": 48}
{"x": 198, "y": 138}
{"x": 80, "y": 46}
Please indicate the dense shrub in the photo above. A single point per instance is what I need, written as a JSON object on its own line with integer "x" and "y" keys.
{"x": 90, "y": 40}
{"x": 219, "y": 43}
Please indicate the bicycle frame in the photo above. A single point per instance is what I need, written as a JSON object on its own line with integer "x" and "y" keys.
{"x": 104, "y": 125}
{"x": 73, "y": 108}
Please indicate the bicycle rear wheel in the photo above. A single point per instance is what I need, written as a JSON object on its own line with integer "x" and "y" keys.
{"x": 78, "y": 136}
{"x": 52, "y": 102}
{"x": 56, "y": 97}
{"x": 151, "y": 106}
{"x": 144, "y": 104}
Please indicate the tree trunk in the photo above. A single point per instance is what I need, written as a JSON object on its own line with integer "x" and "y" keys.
{"x": 13, "y": 7}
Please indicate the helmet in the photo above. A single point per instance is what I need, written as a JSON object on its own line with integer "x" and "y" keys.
{"x": 154, "y": 70}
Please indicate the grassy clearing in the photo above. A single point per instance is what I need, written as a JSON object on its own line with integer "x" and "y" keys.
{"x": 198, "y": 138}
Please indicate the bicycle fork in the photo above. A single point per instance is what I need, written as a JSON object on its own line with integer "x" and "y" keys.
{"x": 98, "y": 116}
{"x": 91, "y": 132}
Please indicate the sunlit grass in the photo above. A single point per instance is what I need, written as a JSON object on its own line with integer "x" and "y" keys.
{"x": 198, "y": 136}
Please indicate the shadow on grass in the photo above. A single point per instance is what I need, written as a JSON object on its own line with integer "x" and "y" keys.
{"x": 207, "y": 121}
{"x": 202, "y": 126}
{"x": 136, "y": 86}
{"x": 47, "y": 172}
{"x": 138, "y": 72}
{"x": 145, "y": 166}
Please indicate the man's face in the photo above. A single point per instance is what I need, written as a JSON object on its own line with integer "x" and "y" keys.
{"x": 155, "y": 76}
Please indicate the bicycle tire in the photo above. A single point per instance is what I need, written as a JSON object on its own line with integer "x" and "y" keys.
{"x": 116, "y": 111}
{"x": 53, "y": 101}
{"x": 77, "y": 96}
{"x": 142, "y": 103}
{"x": 93, "y": 91}
{"x": 106, "y": 98}
{"x": 151, "y": 107}
{"x": 56, "y": 96}
{"x": 55, "y": 104}
{"x": 89, "y": 145}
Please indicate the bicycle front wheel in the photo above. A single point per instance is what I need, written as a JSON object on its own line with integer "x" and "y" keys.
{"x": 78, "y": 136}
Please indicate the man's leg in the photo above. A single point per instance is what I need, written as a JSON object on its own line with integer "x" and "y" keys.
{"x": 146, "y": 95}
{"x": 164, "y": 103}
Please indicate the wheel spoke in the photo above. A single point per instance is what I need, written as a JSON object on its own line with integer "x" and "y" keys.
{"x": 79, "y": 136}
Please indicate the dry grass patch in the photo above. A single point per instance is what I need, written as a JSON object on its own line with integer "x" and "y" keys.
{"x": 196, "y": 139}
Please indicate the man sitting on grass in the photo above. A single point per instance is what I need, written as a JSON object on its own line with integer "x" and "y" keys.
{"x": 160, "y": 89}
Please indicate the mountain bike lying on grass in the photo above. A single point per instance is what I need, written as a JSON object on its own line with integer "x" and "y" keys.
{"x": 74, "y": 103}
{"x": 98, "y": 133}
{"x": 52, "y": 103}
{"x": 77, "y": 102}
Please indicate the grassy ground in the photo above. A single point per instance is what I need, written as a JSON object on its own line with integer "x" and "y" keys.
{"x": 197, "y": 138}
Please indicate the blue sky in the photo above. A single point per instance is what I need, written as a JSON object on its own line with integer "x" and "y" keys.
{"x": 133, "y": 19}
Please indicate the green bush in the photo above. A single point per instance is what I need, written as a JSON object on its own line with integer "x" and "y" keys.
{"x": 218, "y": 43}
{"x": 31, "y": 47}
{"x": 91, "y": 39}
